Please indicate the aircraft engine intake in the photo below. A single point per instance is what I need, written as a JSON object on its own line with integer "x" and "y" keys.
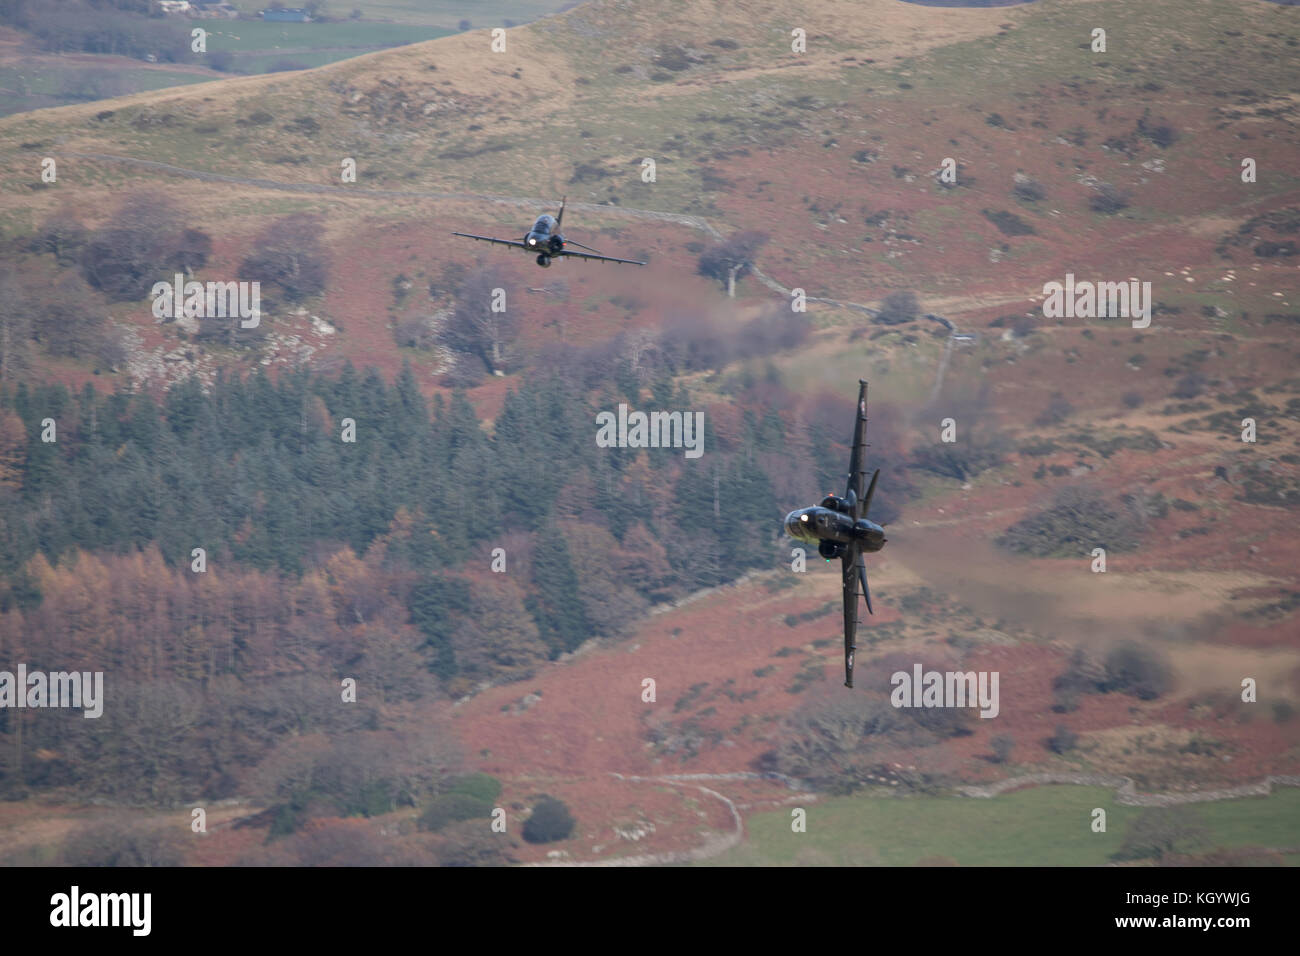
{"x": 830, "y": 549}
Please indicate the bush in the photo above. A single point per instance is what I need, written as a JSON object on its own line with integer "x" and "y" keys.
{"x": 1142, "y": 671}
{"x": 452, "y": 808}
{"x": 61, "y": 234}
{"x": 1108, "y": 200}
{"x": 471, "y": 844}
{"x": 121, "y": 842}
{"x": 550, "y": 821}
{"x": 1084, "y": 673}
{"x": 1058, "y": 410}
{"x": 732, "y": 257}
{"x": 289, "y": 254}
{"x": 143, "y": 242}
{"x": 1161, "y": 830}
{"x": 1003, "y": 744}
{"x": 1078, "y": 520}
{"x": 897, "y": 308}
{"x": 1189, "y": 386}
{"x": 1160, "y": 133}
{"x": 1063, "y": 740}
{"x": 1065, "y": 701}
{"x": 1029, "y": 190}
{"x": 979, "y": 445}
{"x": 1008, "y": 223}
{"x": 481, "y": 786}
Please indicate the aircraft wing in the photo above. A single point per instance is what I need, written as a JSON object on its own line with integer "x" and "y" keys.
{"x": 849, "y": 564}
{"x": 857, "y": 470}
{"x": 588, "y": 255}
{"x": 501, "y": 242}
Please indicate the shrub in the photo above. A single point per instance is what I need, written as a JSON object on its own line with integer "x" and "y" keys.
{"x": 1161, "y": 830}
{"x": 143, "y": 241}
{"x": 452, "y": 808}
{"x": 549, "y": 822}
{"x": 673, "y": 58}
{"x": 1065, "y": 701}
{"x": 1003, "y": 744}
{"x": 1078, "y": 520}
{"x": 1058, "y": 410}
{"x": 980, "y": 444}
{"x": 470, "y": 844}
{"x": 1029, "y": 190}
{"x": 121, "y": 842}
{"x": 481, "y": 786}
{"x": 897, "y": 308}
{"x": 1189, "y": 386}
{"x": 289, "y": 254}
{"x": 1063, "y": 740}
{"x": 732, "y": 258}
{"x": 1109, "y": 200}
{"x": 1008, "y": 223}
{"x": 1142, "y": 671}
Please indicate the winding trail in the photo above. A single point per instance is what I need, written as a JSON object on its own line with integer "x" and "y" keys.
{"x": 1124, "y": 787}
{"x": 715, "y": 845}
{"x": 1126, "y": 791}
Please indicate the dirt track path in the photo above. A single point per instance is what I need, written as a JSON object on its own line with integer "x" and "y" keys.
{"x": 1125, "y": 792}
{"x": 715, "y": 845}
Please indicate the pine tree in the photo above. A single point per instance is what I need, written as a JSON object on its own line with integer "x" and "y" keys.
{"x": 562, "y": 619}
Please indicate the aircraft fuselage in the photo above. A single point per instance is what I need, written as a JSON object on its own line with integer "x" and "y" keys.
{"x": 818, "y": 524}
{"x": 544, "y": 237}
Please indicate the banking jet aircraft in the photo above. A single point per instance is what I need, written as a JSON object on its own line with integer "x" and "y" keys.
{"x": 840, "y": 529}
{"x": 545, "y": 239}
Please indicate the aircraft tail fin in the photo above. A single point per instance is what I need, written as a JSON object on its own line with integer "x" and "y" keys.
{"x": 560, "y": 218}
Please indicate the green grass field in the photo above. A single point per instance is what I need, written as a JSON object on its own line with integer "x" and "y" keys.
{"x": 444, "y": 13}
{"x": 257, "y": 46}
{"x": 249, "y": 36}
{"x": 1040, "y": 826}
{"x": 35, "y": 85}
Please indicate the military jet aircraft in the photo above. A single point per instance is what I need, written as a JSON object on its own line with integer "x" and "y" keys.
{"x": 545, "y": 239}
{"x": 840, "y": 528}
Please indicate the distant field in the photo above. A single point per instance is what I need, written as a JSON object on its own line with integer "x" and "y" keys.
{"x": 445, "y": 13}
{"x": 33, "y": 80}
{"x": 1041, "y": 826}
{"x": 257, "y": 47}
{"x": 240, "y": 36}
{"x": 300, "y": 59}
{"x": 49, "y": 81}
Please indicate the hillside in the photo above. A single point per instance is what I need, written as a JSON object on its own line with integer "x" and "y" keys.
{"x": 1071, "y": 431}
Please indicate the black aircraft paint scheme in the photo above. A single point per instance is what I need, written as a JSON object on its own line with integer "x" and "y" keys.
{"x": 545, "y": 239}
{"x": 840, "y": 529}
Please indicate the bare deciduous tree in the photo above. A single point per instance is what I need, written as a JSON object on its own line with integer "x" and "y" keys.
{"x": 289, "y": 254}
{"x": 732, "y": 259}
{"x": 483, "y": 322}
